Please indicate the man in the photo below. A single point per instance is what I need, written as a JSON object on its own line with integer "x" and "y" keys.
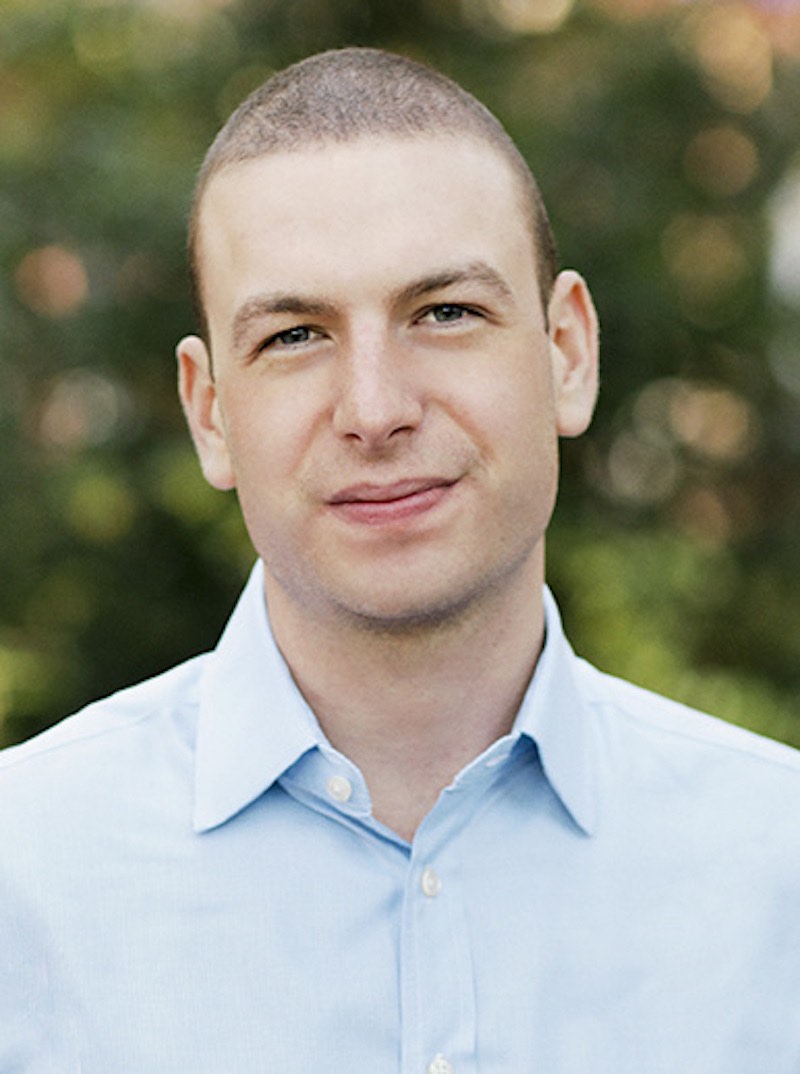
{"x": 392, "y": 823}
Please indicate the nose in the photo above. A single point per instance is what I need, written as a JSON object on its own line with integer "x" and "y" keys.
{"x": 376, "y": 398}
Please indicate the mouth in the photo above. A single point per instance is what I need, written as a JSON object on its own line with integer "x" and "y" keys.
{"x": 373, "y": 504}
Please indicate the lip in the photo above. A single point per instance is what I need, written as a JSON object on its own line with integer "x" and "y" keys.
{"x": 374, "y": 504}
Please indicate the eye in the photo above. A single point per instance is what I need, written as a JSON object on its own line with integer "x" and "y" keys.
{"x": 449, "y": 313}
{"x": 290, "y": 337}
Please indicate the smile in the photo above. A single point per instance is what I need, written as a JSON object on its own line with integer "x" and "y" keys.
{"x": 386, "y": 504}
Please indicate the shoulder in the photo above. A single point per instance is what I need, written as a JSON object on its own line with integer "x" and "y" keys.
{"x": 117, "y": 773}
{"x": 641, "y": 715}
{"x": 677, "y": 776}
{"x": 116, "y": 724}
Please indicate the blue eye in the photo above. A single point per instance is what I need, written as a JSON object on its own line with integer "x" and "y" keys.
{"x": 292, "y": 336}
{"x": 449, "y": 312}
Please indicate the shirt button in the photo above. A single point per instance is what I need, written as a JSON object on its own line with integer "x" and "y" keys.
{"x": 431, "y": 884}
{"x": 440, "y": 1066}
{"x": 340, "y": 788}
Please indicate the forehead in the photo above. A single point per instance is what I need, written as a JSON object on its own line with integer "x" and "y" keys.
{"x": 361, "y": 207}
{"x": 435, "y": 165}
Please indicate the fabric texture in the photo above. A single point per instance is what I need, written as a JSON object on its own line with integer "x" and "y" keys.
{"x": 197, "y": 886}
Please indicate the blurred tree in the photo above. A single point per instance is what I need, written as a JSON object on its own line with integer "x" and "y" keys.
{"x": 664, "y": 136}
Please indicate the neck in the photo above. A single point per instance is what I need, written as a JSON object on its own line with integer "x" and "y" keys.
{"x": 411, "y": 709}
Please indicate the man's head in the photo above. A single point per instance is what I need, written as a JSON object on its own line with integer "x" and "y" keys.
{"x": 348, "y": 94}
{"x": 391, "y": 369}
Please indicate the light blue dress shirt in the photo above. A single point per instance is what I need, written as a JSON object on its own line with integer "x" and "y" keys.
{"x": 196, "y": 885}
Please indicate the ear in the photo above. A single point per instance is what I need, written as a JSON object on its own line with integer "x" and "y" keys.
{"x": 198, "y": 393}
{"x": 574, "y": 349}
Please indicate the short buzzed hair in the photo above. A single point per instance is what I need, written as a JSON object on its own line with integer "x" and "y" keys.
{"x": 346, "y": 94}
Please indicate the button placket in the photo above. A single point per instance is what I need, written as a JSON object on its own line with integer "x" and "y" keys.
{"x": 437, "y": 972}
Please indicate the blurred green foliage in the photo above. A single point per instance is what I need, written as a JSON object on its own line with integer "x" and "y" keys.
{"x": 665, "y": 139}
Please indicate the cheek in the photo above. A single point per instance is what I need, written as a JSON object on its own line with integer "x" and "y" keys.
{"x": 513, "y": 415}
{"x": 267, "y": 433}
{"x": 524, "y": 446}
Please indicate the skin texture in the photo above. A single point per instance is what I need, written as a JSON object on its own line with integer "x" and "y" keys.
{"x": 386, "y": 397}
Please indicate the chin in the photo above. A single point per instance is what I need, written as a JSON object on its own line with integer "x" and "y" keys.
{"x": 397, "y": 614}
{"x": 404, "y": 622}
{"x": 409, "y": 598}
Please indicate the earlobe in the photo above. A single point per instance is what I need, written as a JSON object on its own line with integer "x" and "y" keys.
{"x": 574, "y": 346}
{"x": 198, "y": 395}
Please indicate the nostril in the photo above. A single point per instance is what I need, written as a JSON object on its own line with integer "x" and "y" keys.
{"x": 376, "y": 413}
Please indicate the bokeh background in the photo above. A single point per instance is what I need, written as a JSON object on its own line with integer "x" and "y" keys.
{"x": 666, "y": 138}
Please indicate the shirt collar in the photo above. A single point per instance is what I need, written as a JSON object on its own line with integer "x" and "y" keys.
{"x": 254, "y": 723}
{"x": 556, "y": 717}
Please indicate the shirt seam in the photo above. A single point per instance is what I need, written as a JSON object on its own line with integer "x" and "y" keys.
{"x": 30, "y": 751}
{"x": 740, "y": 749}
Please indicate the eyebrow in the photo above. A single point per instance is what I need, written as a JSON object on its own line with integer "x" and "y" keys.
{"x": 304, "y": 306}
{"x": 475, "y": 272}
